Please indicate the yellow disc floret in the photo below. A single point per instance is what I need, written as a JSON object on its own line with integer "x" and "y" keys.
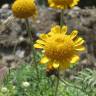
{"x": 62, "y": 4}
{"x": 59, "y": 47}
{"x": 24, "y": 8}
{"x": 60, "y": 50}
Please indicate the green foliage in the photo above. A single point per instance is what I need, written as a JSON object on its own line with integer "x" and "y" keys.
{"x": 87, "y": 81}
{"x": 83, "y": 85}
{"x": 27, "y": 73}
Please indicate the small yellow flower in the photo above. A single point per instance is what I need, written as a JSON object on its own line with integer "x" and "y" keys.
{"x": 24, "y": 8}
{"x": 62, "y": 4}
{"x": 60, "y": 50}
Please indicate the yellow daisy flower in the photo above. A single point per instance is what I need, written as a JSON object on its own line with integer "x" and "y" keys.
{"x": 62, "y": 4}
{"x": 24, "y": 8}
{"x": 60, "y": 49}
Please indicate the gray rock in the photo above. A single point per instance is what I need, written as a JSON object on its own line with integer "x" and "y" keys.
{"x": 20, "y": 53}
{"x": 5, "y": 6}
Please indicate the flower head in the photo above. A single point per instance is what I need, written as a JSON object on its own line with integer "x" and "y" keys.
{"x": 24, "y": 8}
{"x": 62, "y": 4}
{"x": 60, "y": 50}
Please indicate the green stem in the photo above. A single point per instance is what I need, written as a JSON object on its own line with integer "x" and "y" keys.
{"x": 32, "y": 48}
{"x": 57, "y": 85}
{"x": 61, "y": 18}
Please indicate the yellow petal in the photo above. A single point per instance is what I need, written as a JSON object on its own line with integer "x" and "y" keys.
{"x": 38, "y": 46}
{"x": 51, "y": 33}
{"x": 55, "y": 29}
{"x": 55, "y": 65}
{"x": 75, "y": 59}
{"x": 44, "y": 60}
{"x": 79, "y": 40}
{"x": 40, "y": 42}
{"x": 43, "y": 36}
{"x": 80, "y": 48}
{"x": 64, "y": 29}
{"x": 79, "y": 43}
{"x": 74, "y": 34}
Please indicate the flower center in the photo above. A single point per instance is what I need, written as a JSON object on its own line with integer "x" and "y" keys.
{"x": 59, "y": 48}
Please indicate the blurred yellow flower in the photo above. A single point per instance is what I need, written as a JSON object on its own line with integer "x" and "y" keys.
{"x": 60, "y": 50}
{"x": 62, "y": 4}
{"x": 24, "y": 8}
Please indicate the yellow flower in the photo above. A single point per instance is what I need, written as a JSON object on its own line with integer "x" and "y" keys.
{"x": 24, "y": 8}
{"x": 62, "y": 4}
{"x": 60, "y": 49}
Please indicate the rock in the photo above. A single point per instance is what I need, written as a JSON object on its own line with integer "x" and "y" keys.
{"x": 20, "y": 53}
{"x": 5, "y": 6}
{"x": 9, "y": 58}
{"x": 21, "y": 39}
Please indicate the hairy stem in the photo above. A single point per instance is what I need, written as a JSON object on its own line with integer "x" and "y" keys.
{"x": 32, "y": 48}
{"x": 57, "y": 85}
